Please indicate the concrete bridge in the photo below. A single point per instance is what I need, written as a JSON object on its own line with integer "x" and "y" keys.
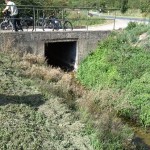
{"x": 61, "y": 48}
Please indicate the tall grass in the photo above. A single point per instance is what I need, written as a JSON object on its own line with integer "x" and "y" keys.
{"x": 115, "y": 80}
{"x": 82, "y": 19}
{"x": 27, "y": 83}
{"x": 121, "y": 63}
{"x": 105, "y": 129}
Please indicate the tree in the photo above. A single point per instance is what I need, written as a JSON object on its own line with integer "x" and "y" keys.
{"x": 124, "y": 6}
{"x": 145, "y": 7}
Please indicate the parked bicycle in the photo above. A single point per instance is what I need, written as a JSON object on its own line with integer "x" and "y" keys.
{"x": 55, "y": 24}
{"x": 27, "y": 22}
{"x": 40, "y": 23}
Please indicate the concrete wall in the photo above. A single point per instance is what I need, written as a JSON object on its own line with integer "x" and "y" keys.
{"x": 34, "y": 42}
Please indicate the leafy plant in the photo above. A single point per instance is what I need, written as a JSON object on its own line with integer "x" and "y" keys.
{"x": 131, "y": 25}
{"x": 121, "y": 65}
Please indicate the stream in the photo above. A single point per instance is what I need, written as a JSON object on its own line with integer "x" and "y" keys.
{"x": 142, "y": 137}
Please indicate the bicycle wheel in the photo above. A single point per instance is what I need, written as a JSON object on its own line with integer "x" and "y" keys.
{"x": 3, "y": 26}
{"x": 68, "y": 26}
{"x": 48, "y": 25}
{"x": 57, "y": 25}
{"x": 6, "y": 26}
{"x": 40, "y": 23}
{"x": 24, "y": 25}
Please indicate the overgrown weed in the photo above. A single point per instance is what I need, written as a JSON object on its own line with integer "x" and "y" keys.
{"x": 117, "y": 64}
{"x": 99, "y": 106}
{"x": 54, "y": 83}
{"x": 121, "y": 65}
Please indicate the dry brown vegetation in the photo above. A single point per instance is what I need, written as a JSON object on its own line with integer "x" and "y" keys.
{"x": 95, "y": 106}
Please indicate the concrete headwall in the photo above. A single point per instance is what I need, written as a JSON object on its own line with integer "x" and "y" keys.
{"x": 34, "y": 42}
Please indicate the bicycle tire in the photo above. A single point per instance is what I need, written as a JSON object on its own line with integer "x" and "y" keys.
{"x": 51, "y": 26}
{"x": 6, "y": 26}
{"x": 40, "y": 24}
{"x": 24, "y": 25}
{"x": 2, "y": 26}
{"x": 48, "y": 25}
{"x": 57, "y": 25}
{"x": 67, "y": 26}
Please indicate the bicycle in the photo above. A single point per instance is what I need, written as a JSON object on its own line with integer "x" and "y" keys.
{"x": 26, "y": 22}
{"x": 6, "y": 24}
{"x": 40, "y": 22}
{"x": 55, "y": 24}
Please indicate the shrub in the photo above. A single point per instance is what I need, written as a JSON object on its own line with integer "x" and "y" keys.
{"x": 131, "y": 25}
{"x": 120, "y": 65}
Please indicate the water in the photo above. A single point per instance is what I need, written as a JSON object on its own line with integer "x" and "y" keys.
{"x": 142, "y": 137}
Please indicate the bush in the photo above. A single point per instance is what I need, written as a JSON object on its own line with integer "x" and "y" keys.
{"x": 121, "y": 65}
{"x": 131, "y": 25}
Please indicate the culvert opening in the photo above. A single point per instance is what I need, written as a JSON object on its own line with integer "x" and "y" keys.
{"x": 61, "y": 54}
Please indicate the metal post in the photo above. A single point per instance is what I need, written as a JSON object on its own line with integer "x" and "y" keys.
{"x": 87, "y": 18}
{"x": 62, "y": 17}
{"x": 37, "y": 23}
{"x": 34, "y": 25}
{"x": 114, "y": 21}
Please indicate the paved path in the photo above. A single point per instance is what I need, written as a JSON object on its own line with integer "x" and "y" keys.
{"x": 111, "y": 26}
{"x": 118, "y": 24}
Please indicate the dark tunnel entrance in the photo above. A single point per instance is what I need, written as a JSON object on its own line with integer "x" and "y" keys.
{"x": 61, "y": 54}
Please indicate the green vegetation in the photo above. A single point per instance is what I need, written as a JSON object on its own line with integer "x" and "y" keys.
{"x": 58, "y": 7}
{"x": 42, "y": 108}
{"x": 21, "y": 127}
{"x": 122, "y": 5}
{"x": 45, "y": 108}
{"x": 121, "y": 63}
{"x": 81, "y": 18}
{"x": 32, "y": 110}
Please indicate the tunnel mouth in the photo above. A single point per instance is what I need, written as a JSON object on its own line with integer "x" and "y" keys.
{"x": 61, "y": 54}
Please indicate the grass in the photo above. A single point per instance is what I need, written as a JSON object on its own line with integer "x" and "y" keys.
{"x": 121, "y": 63}
{"x": 41, "y": 108}
{"x": 82, "y": 19}
{"x": 136, "y": 13}
{"x": 21, "y": 126}
{"x": 102, "y": 124}
{"x": 33, "y": 109}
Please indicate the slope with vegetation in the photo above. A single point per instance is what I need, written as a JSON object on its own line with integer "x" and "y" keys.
{"x": 33, "y": 113}
{"x": 119, "y": 69}
{"x": 45, "y": 108}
